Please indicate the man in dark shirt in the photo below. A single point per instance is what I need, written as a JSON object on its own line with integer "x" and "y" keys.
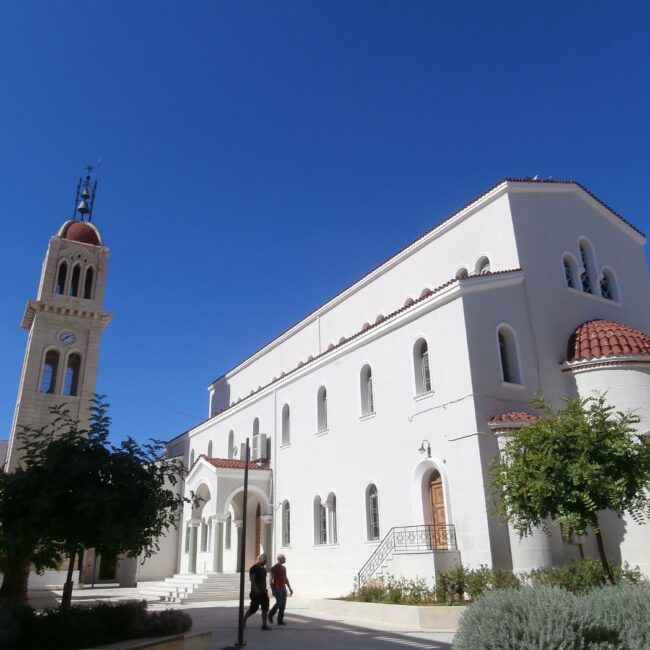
{"x": 259, "y": 595}
{"x": 279, "y": 586}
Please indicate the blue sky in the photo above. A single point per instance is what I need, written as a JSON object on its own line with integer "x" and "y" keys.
{"x": 258, "y": 156}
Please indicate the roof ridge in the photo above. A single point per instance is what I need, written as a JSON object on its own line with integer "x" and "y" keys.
{"x": 476, "y": 199}
{"x": 551, "y": 181}
{"x": 427, "y": 293}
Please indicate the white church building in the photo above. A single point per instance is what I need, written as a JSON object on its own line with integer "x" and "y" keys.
{"x": 373, "y": 420}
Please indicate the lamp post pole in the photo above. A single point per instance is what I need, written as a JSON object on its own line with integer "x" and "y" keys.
{"x": 242, "y": 555}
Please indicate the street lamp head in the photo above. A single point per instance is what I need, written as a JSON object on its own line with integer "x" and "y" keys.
{"x": 426, "y": 449}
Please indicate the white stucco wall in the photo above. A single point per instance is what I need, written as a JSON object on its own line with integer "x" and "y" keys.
{"x": 482, "y": 230}
{"x": 531, "y": 226}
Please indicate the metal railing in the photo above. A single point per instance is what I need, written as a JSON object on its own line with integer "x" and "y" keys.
{"x": 408, "y": 538}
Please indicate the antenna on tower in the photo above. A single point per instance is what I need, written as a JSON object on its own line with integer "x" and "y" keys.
{"x": 85, "y": 198}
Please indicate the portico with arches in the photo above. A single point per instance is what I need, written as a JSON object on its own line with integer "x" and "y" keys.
{"x": 213, "y": 525}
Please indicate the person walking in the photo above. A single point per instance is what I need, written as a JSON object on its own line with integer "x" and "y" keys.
{"x": 279, "y": 586}
{"x": 259, "y": 595}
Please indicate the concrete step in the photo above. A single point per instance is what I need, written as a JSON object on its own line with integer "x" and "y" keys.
{"x": 185, "y": 587}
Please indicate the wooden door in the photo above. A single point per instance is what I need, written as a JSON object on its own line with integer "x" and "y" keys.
{"x": 438, "y": 519}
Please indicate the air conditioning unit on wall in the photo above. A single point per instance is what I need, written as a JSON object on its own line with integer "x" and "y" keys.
{"x": 259, "y": 450}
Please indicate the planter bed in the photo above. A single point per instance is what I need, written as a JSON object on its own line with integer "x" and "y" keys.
{"x": 424, "y": 617}
{"x": 196, "y": 641}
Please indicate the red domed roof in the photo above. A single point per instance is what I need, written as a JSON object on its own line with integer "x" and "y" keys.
{"x": 80, "y": 231}
{"x": 596, "y": 339}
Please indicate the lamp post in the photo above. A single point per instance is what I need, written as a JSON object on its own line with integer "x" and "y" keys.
{"x": 422, "y": 448}
{"x": 242, "y": 555}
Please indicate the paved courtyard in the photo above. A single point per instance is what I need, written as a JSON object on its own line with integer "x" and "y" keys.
{"x": 304, "y": 628}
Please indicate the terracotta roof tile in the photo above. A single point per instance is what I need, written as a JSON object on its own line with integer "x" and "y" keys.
{"x": 513, "y": 416}
{"x": 231, "y": 463}
{"x": 596, "y": 339}
{"x": 366, "y": 327}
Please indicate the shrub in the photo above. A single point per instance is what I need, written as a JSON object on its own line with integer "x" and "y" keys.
{"x": 531, "y": 618}
{"x": 626, "y": 608}
{"x": 462, "y": 584}
{"x": 374, "y": 591}
{"x": 582, "y": 576}
{"x": 14, "y": 619}
{"x": 393, "y": 590}
{"x": 451, "y": 585}
{"x": 86, "y": 626}
{"x": 165, "y": 623}
{"x": 408, "y": 592}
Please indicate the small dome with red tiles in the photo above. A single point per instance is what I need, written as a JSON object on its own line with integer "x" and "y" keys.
{"x": 596, "y": 339}
{"x": 80, "y": 231}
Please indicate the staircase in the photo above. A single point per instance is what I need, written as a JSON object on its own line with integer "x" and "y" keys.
{"x": 407, "y": 539}
{"x": 193, "y": 587}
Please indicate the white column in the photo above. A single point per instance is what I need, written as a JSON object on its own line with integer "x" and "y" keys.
{"x": 194, "y": 527}
{"x": 239, "y": 523}
{"x": 217, "y": 543}
{"x": 267, "y": 537}
{"x": 535, "y": 549}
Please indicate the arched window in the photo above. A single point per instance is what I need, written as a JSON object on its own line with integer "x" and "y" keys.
{"x": 321, "y": 400}
{"x": 72, "y": 372}
{"x": 286, "y": 524}
{"x": 75, "y": 280}
{"x": 570, "y": 272}
{"x": 231, "y": 444}
{"x": 367, "y": 397}
{"x": 587, "y": 275}
{"x": 88, "y": 283}
{"x": 608, "y": 287}
{"x": 372, "y": 512}
{"x": 421, "y": 367}
{"x": 204, "y": 536}
{"x": 255, "y": 442}
{"x": 192, "y": 458}
{"x": 228, "y": 542}
{"x": 483, "y": 266}
{"x": 49, "y": 372}
{"x": 210, "y": 449}
{"x": 286, "y": 425}
{"x": 320, "y": 521}
{"x": 332, "y": 530}
{"x": 461, "y": 273}
{"x": 61, "y": 277}
{"x": 508, "y": 355}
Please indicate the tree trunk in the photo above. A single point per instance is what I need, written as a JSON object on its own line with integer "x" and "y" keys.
{"x": 603, "y": 558}
{"x": 66, "y": 599}
{"x": 15, "y": 580}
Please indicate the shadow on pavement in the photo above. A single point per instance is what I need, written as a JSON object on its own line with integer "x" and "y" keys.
{"x": 304, "y": 631}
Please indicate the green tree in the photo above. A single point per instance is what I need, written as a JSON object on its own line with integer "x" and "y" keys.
{"x": 76, "y": 491}
{"x": 568, "y": 465}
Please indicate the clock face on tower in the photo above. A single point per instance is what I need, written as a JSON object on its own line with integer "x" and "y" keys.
{"x": 67, "y": 337}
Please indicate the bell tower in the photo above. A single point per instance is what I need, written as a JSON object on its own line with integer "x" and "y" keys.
{"x": 65, "y": 323}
